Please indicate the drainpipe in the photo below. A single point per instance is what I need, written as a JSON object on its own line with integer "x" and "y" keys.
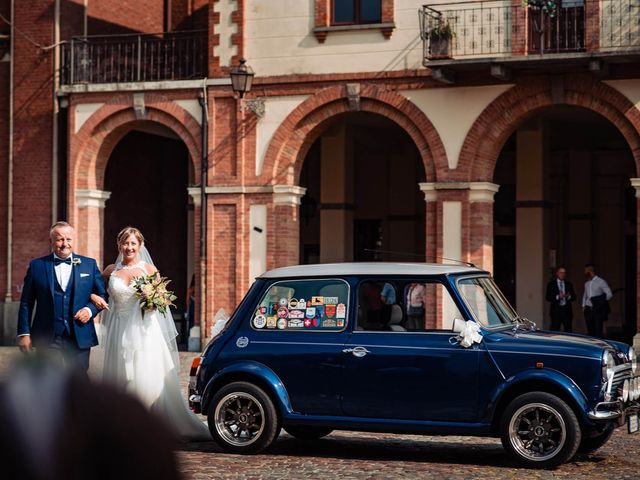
{"x": 8, "y": 296}
{"x": 204, "y": 173}
{"x": 56, "y": 85}
{"x": 85, "y": 27}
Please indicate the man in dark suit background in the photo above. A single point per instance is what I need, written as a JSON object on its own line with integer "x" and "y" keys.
{"x": 60, "y": 285}
{"x": 560, "y": 294}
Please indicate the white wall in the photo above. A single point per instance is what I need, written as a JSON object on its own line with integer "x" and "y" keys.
{"x": 276, "y": 110}
{"x": 452, "y": 111}
{"x": 279, "y": 40}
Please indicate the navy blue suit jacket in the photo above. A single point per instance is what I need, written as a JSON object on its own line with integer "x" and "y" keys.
{"x": 38, "y": 289}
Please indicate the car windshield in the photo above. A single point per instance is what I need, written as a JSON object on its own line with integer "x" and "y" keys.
{"x": 486, "y": 302}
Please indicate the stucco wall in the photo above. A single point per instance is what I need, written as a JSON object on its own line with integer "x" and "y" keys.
{"x": 279, "y": 40}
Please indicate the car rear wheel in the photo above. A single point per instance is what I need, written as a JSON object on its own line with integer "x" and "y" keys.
{"x": 595, "y": 440}
{"x": 540, "y": 430}
{"x": 308, "y": 433}
{"x": 243, "y": 418}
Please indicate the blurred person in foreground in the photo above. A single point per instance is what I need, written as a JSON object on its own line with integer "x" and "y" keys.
{"x": 58, "y": 425}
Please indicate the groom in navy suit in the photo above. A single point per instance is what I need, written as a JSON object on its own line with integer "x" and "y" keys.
{"x": 60, "y": 285}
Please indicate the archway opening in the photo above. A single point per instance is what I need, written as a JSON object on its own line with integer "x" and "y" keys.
{"x": 147, "y": 174}
{"x": 565, "y": 200}
{"x": 363, "y": 202}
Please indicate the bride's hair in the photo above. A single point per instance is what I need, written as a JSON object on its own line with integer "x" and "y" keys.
{"x": 126, "y": 232}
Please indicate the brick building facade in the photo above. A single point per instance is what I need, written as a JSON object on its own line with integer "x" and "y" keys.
{"x": 514, "y": 148}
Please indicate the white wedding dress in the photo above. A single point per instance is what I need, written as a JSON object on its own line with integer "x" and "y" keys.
{"x": 141, "y": 357}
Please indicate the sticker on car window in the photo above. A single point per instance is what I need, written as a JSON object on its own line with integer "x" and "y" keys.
{"x": 303, "y": 305}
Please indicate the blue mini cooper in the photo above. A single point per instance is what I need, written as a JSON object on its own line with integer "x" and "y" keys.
{"x": 407, "y": 348}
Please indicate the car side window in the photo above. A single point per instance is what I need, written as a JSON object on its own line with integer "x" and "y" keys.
{"x": 405, "y": 306}
{"x": 303, "y": 305}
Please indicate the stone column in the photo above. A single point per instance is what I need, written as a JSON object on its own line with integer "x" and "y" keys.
{"x": 336, "y": 198}
{"x": 90, "y": 221}
{"x": 195, "y": 340}
{"x": 285, "y": 236}
{"x": 481, "y": 224}
{"x": 531, "y": 246}
{"x": 450, "y": 205}
{"x": 635, "y": 183}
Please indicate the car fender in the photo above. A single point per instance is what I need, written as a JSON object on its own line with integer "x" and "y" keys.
{"x": 246, "y": 370}
{"x": 549, "y": 376}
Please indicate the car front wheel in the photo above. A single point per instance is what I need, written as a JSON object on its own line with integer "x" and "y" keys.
{"x": 243, "y": 419}
{"x": 540, "y": 430}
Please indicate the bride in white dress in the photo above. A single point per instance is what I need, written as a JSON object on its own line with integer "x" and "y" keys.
{"x": 140, "y": 351}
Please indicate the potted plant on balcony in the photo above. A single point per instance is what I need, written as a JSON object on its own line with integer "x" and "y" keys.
{"x": 440, "y": 37}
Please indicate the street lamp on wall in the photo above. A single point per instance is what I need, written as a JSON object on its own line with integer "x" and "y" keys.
{"x": 241, "y": 82}
{"x": 242, "y": 78}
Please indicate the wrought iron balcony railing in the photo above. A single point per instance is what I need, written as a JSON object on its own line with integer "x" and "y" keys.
{"x": 134, "y": 58}
{"x": 496, "y": 28}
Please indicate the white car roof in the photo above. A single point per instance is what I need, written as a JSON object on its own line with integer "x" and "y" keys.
{"x": 368, "y": 268}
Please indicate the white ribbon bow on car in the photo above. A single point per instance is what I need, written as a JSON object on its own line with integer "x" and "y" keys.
{"x": 470, "y": 334}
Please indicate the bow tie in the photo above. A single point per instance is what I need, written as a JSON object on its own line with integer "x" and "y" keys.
{"x": 58, "y": 261}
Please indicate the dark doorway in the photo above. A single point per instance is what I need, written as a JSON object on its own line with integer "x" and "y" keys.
{"x": 363, "y": 201}
{"x": 589, "y": 212}
{"x": 148, "y": 175}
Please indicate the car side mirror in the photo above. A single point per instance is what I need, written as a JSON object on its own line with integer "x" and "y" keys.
{"x": 458, "y": 325}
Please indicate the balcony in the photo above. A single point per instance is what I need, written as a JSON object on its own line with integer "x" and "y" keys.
{"x": 134, "y": 58}
{"x": 512, "y": 32}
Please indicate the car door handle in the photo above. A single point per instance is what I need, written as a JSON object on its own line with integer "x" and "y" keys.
{"x": 357, "y": 351}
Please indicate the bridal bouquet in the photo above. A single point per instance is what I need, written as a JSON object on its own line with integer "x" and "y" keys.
{"x": 152, "y": 292}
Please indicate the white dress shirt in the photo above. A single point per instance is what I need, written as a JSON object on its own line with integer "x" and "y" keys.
{"x": 562, "y": 301}
{"x": 594, "y": 288}
{"x": 63, "y": 272}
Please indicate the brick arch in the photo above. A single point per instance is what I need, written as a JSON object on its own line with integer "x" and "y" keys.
{"x": 292, "y": 140}
{"x": 92, "y": 146}
{"x": 503, "y": 116}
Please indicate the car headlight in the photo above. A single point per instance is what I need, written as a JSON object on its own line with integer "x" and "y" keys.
{"x": 625, "y": 390}
{"x": 608, "y": 362}
{"x": 633, "y": 359}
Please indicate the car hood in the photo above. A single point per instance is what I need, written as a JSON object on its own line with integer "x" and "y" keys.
{"x": 552, "y": 342}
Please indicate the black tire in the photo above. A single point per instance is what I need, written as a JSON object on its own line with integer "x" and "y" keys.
{"x": 592, "y": 441}
{"x": 308, "y": 433}
{"x": 243, "y": 419}
{"x": 540, "y": 430}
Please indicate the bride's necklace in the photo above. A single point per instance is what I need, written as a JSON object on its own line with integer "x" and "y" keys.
{"x": 132, "y": 266}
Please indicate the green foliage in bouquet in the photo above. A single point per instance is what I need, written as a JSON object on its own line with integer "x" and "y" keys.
{"x": 152, "y": 292}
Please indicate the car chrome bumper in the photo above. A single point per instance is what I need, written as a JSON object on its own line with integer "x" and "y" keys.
{"x": 609, "y": 411}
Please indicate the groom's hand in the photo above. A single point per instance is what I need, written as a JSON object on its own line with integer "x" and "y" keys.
{"x": 83, "y": 315}
{"x": 24, "y": 342}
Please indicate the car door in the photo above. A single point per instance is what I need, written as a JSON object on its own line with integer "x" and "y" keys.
{"x": 298, "y": 330}
{"x": 398, "y": 373}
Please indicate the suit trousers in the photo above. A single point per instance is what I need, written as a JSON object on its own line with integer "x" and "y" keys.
{"x": 595, "y": 322}
{"x": 64, "y": 351}
{"x": 562, "y": 317}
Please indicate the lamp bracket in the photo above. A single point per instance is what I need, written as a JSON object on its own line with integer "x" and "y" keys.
{"x": 255, "y": 105}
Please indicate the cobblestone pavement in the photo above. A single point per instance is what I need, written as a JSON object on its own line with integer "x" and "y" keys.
{"x": 348, "y": 455}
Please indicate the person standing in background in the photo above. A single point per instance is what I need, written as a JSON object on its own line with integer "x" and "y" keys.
{"x": 560, "y": 294}
{"x": 595, "y": 301}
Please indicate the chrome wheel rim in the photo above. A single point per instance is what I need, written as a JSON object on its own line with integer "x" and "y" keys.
{"x": 537, "y": 432}
{"x": 239, "y": 419}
